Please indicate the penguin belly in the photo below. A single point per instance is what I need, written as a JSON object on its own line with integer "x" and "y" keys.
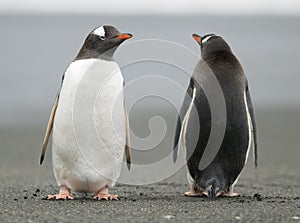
{"x": 88, "y": 138}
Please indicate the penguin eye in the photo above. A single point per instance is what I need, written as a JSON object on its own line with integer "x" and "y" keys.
{"x": 102, "y": 37}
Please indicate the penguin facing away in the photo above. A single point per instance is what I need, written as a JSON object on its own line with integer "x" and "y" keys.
{"x": 221, "y": 174}
{"x": 76, "y": 166}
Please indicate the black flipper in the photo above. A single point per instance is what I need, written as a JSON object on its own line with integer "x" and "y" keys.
{"x": 127, "y": 145}
{"x": 250, "y": 108}
{"x": 184, "y": 108}
{"x": 50, "y": 124}
{"x": 49, "y": 129}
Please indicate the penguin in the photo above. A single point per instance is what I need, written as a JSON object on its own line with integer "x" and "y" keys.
{"x": 221, "y": 173}
{"x": 89, "y": 166}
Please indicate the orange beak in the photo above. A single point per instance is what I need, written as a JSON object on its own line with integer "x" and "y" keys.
{"x": 124, "y": 36}
{"x": 197, "y": 38}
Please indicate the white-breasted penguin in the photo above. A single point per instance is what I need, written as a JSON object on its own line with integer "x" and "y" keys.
{"x": 220, "y": 175}
{"x": 91, "y": 167}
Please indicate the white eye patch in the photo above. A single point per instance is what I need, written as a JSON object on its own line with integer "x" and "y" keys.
{"x": 100, "y": 32}
{"x": 206, "y": 38}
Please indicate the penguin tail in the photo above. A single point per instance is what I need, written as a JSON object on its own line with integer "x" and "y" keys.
{"x": 211, "y": 192}
{"x": 212, "y": 189}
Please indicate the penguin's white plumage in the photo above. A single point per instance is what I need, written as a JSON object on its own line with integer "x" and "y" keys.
{"x": 182, "y": 139}
{"x": 89, "y": 120}
{"x": 206, "y": 38}
{"x": 250, "y": 132}
{"x": 87, "y": 176}
{"x": 100, "y": 31}
{"x": 250, "y": 127}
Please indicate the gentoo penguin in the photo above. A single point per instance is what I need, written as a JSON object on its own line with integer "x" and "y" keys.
{"x": 220, "y": 174}
{"x": 84, "y": 161}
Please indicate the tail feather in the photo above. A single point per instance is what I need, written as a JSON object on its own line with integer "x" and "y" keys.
{"x": 212, "y": 192}
{"x": 212, "y": 189}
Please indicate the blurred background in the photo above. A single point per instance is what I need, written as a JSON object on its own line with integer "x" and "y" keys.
{"x": 40, "y": 38}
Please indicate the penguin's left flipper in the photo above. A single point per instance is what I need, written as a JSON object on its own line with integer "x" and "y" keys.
{"x": 49, "y": 129}
{"x": 127, "y": 145}
{"x": 250, "y": 108}
{"x": 182, "y": 117}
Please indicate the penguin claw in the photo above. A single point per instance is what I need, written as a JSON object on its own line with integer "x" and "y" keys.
{"x": 193, "y": 193}
{"x": 229, "y": 194}
{"x": 60, "y": 197}
{"x": 106, "y": 197}
{"x": 103, "y": 194}
{"x": 64, "y": 194}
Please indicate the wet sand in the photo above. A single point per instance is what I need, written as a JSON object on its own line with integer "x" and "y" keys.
{"x": 269, "y": 194}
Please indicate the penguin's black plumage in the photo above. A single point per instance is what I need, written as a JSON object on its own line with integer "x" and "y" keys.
{"x": 102, "y": 45}
{"x": 219, "y": 176}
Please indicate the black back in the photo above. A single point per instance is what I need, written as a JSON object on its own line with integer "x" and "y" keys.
{"x": 230, "y": 159}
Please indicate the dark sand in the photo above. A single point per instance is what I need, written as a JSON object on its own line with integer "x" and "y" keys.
{"x": 269, "y": 194}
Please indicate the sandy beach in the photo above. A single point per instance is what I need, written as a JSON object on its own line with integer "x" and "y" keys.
{"x": 35, "y": 51}
{"x": 269, "y": 194}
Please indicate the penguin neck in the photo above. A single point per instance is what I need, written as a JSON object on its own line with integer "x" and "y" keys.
{"x": 88, "y": 54}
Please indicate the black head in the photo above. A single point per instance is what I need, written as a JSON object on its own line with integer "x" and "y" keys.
{"x": 102, "y": 43}
{"x": 211, "y": 43}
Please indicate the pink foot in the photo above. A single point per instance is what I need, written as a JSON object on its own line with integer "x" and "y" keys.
{"x": 103, "y": 194}
{"x": 194, "y": 193}
{"x": 229, "y": 194}
{"x": 64, "y": 194}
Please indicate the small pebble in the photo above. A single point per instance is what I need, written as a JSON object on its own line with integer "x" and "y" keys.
{"x": 295, "y": 218}
{"x": 168, "y": 217}
{"x": 258, "y": 197}
{"x": 237, "y": 217}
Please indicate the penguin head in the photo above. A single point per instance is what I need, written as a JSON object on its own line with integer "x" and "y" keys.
{"x": 211, "y": 43}
{"x": 102, "y": 43}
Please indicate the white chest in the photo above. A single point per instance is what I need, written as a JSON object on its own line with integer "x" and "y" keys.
{"x": 89, "y": 126}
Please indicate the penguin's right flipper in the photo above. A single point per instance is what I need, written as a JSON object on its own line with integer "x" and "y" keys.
{"x": 49, "y": 129}
{"x": 181, "y": 117}
{"x": 250, "y": 107}
{"x": 127, "y": 145}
